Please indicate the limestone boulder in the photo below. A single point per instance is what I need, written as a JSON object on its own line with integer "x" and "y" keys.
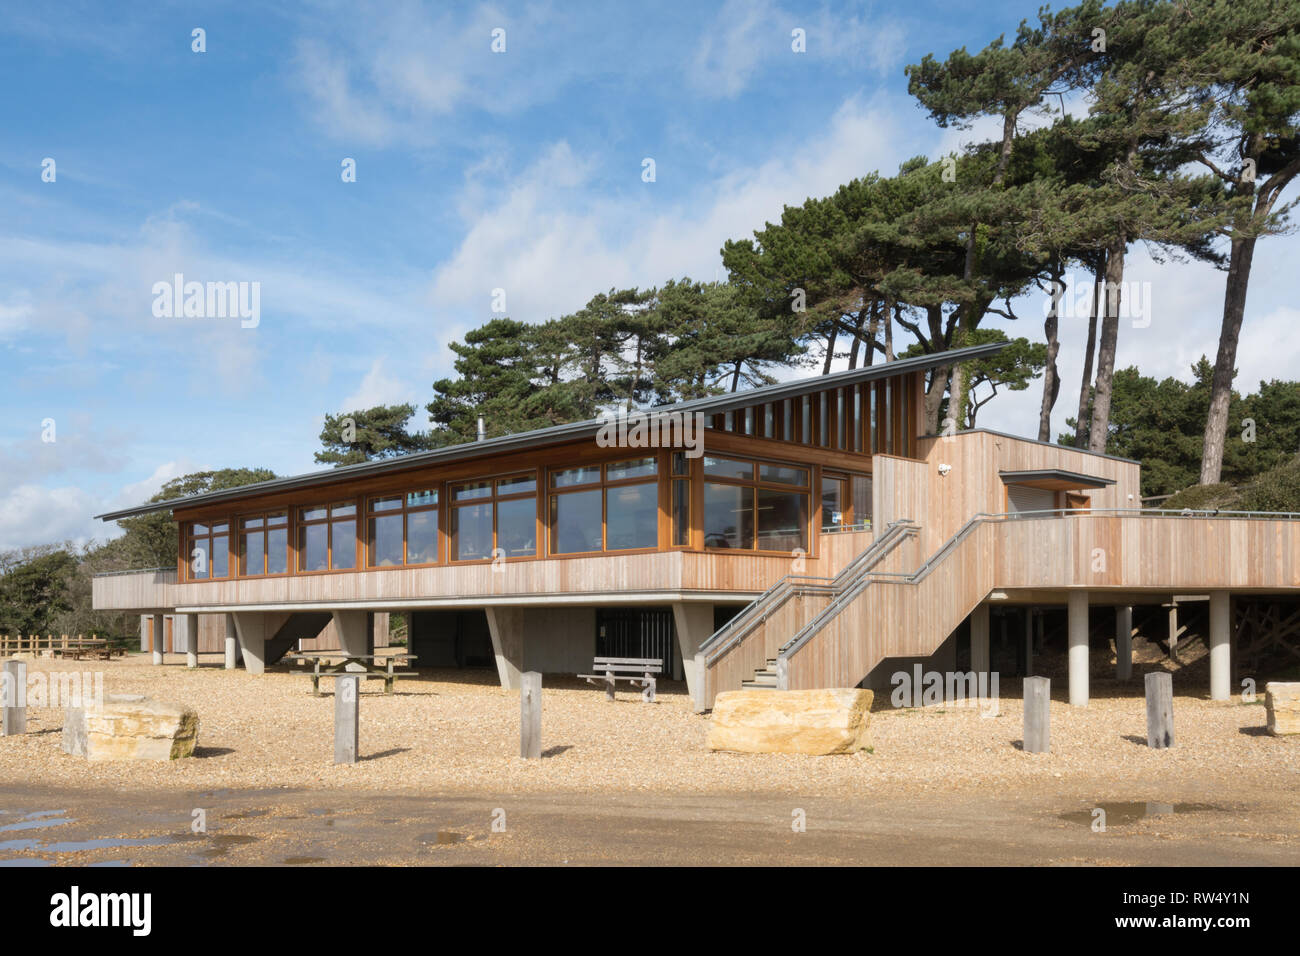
{"x": 1282, "y": 700}
{"x": 791, "y": 721}
{"x": 131, "y": 727}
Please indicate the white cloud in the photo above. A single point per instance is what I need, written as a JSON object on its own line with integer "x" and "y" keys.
{"x": 552, "y": 241}
{"x": 379, "y": 386}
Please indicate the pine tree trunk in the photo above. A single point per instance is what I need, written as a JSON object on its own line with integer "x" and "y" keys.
{"x": 889, "y": 329}
{"x": 873, "y": 330}
{"x": 1084, "y": 417}
{"x": 1051, "y": 375}
{"x": 830, "y": 350}
{"x": 1225, "y": 365}
{"x": 1099, "y": 430}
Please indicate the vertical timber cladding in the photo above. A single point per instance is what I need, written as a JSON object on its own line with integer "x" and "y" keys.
{"x": 637, "y": 632}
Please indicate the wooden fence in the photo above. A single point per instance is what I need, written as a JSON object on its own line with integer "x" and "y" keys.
{"x": 50, "y": 643}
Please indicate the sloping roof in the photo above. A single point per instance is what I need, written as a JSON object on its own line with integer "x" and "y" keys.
{"x": 1057, "y": 478}
{"x": 709, "y": 405}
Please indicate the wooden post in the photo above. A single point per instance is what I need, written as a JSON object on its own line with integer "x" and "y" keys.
{"x": 1038, "y": 727}
{"x": 609, "y": 685}
{"x": 1173, "y": 632}
{"x": 530, "y": 715}
{"x": 1160, "y": 710}
{"x": 15, "y": 698}
{"x": 701, "y": 676}
{"x": 346, "y": 712}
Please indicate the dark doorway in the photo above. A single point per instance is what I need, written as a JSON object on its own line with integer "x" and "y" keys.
{"x": 451, "y": 639}
{"x": 637, "y": 632}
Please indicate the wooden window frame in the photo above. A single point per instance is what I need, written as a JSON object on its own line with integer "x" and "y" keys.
{"x": 190, "y": 537}
{"x": 290, "y": 554}
{"x": 602, "y": 484}
{"x": 756, "y": 482}
{"x": 405, "y": 510}
{"x": 491, "y": 499}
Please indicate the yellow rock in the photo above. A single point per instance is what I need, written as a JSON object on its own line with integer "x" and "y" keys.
{"x": 1282, "y": 700}
{"x": 131, "y": 727}
{"x": 791, "y": 721}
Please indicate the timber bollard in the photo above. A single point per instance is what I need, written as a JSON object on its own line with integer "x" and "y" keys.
{"x": 346, "y": 712}
{"x": 1160, "y": 710}
{"x": 530, "y": 715}
{"x": 14, "y": 694}
{"x": 697, "y": 690}
{"x": 1038, "y": 727}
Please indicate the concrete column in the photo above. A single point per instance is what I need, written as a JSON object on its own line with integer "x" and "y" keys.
{"x": 250, "y": 626}
{"x": 1220, "y": 647}
{"x": 191, "y": 640}
{"x": 1173, "y": 631}
{"x": 144, "y": 632}
{"x": 979, "y": 639}
{"x": 1124, "y": 642}
{"x": 232, "y": 642}
{"x": 694, "y": 625}
{"x": 1029, "y": 641}
{"x": 355, "y": 636}
{"x": 1077, "y": 604}
{"x": 159, "y": 638}
{"x": 506, "y": 625}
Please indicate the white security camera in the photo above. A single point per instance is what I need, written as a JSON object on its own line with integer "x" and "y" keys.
{"x": 944, "y": 469}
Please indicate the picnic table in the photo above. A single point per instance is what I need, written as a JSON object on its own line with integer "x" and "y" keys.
{"x": 368, "y": 666}
{"x": 76, "y": 648}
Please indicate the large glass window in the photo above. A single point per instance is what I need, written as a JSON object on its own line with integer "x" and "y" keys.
{"x": 846, "y": 502}
{"x": 208, "y": 550}
{"x": 327, "y": 537}
{"x": 402, "y": 529}
{"x": 264, "y": 544}
{"x": 755, "y": 505}
{"x": 494, "y": 514}
{"x": 614, "y": 507}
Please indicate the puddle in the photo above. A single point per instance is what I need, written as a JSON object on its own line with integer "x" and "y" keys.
{"x": 18, "y": 844}
{"x": 1124, "y": 814}
{"x": 26, "y": 861}
{"x": 45, "y": 820}
{"x": 443, "y": 838}
{"x": 302, "y": 860}
{"x": 111, "y": 863}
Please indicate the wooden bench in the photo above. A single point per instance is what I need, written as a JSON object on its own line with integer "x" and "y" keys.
{"x": 638, "y": 671}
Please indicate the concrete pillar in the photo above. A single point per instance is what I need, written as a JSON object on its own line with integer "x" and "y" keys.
{"x": 355, "y": 634}
{"x": 144, "y": 632}
{"x": 1173, "y": 631}
{"x": 1124, "y": 642}
{"x": 694, "y": 624}
{"x": 250, "y": 626}
{"x": 1029, "y": 641}
{"x": 191, "y": 640}
{"x": 1220, "y": 647}
{"x": 159, "y": 638}
{"x": 232, "y": 643}
{"x": 506, "y": 625}
{"x": 979, "y": 640}
{"x": 1077, "y": 605}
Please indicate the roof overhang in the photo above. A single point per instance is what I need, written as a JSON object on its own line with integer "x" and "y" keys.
{"x": 558, "y": 434}
{"x": 1054, "y": 479}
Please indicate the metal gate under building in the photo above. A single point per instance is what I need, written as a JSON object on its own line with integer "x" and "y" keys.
{"x": 637, "y": 632}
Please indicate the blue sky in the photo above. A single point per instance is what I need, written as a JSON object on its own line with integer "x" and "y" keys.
{"x": 475, "y": 171}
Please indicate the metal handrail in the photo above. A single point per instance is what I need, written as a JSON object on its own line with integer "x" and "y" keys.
{"x": 109, "y": 574}
{"x": 758, "y": 610}
{"x": 846, "y": 597}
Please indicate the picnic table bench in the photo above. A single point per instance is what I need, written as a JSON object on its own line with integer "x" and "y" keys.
{"x": 371, "y": 666}
{"x": 638, "y": 671}
{"x": 88, "y": 647}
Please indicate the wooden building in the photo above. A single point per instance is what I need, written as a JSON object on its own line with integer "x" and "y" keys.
{"x": 805, "y": 534}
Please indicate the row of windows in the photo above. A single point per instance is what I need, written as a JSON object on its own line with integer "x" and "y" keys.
{"x": 746, "y": 505}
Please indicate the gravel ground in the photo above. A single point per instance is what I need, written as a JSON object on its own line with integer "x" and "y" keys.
{"x": 455, "y": 731}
